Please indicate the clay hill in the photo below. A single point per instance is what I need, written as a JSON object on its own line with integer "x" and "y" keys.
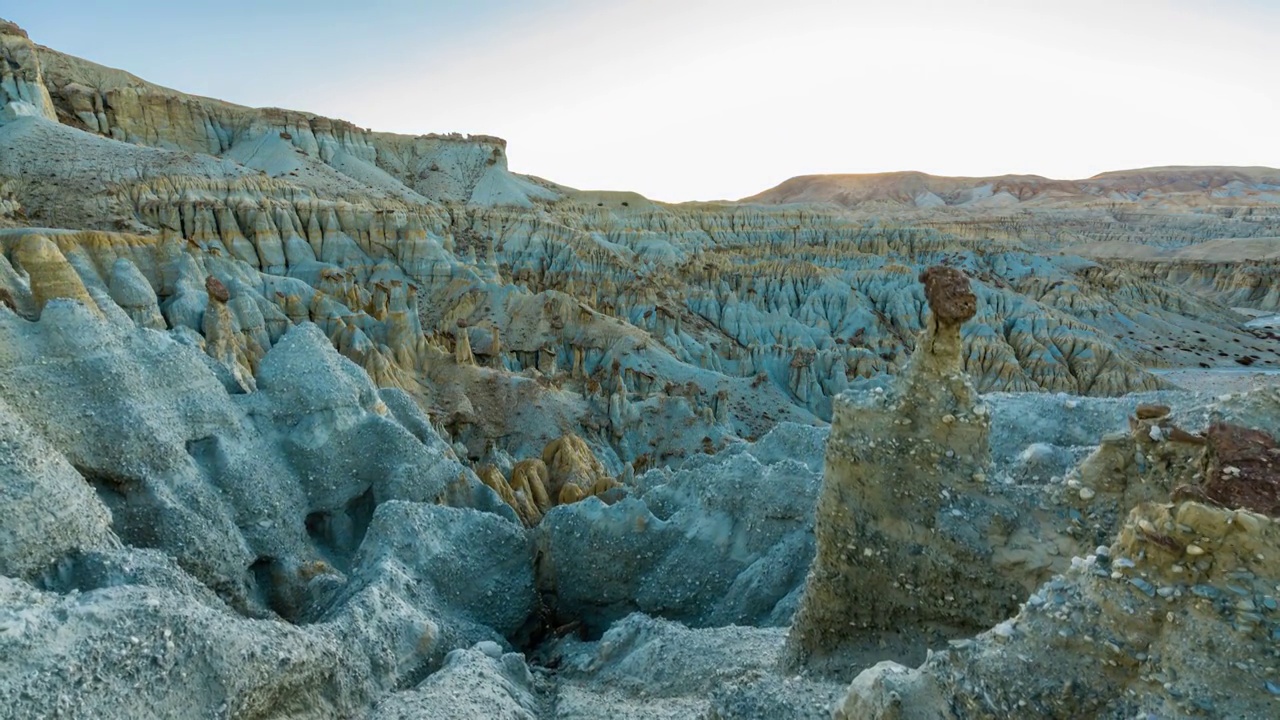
{"x": 303, "y": 420}
{"x": 1192, "y": 187}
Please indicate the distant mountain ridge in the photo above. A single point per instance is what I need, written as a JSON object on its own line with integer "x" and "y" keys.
{"x": 1189, "y": 184}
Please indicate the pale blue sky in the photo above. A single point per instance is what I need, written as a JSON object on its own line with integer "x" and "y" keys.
{"x": 702, "y": 99}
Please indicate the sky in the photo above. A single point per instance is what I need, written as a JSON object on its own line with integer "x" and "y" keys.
{"x": 720, "y": 99}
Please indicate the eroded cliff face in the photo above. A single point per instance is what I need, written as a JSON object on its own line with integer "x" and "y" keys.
{"x": 421, "y": 169}
{"x": 401, "y": 247}
{"x": 1240, "y": 283}
{"x": 22, "y": 84}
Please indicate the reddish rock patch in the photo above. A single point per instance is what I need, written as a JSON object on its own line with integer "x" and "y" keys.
{"x": 1151, "y": 412}
{"x": 10, "y": 28}
{"x": 1177, "y": 434}
{"x": 215, "y": 288}
{"x": 1243, "y": 469}
{"x": 948, "y": 293}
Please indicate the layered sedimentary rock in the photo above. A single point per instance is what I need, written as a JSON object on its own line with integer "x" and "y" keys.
{"x": 49, "y": 274}
{"x": 1136, "y": 626}
{"x": 1245, "y": 186}
{"x": 22, "y": 84}
{"x": 695, "y": 544}
{"x": 727, "y": 317}
{"x": 1236, "y": 272}
{"x": 315, "y": 150}
{"x": 911, "y": 509}
{"x": 1174, "y": 619}
{"x": 895, "y": 457}
{"x": 298, "y": 419}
